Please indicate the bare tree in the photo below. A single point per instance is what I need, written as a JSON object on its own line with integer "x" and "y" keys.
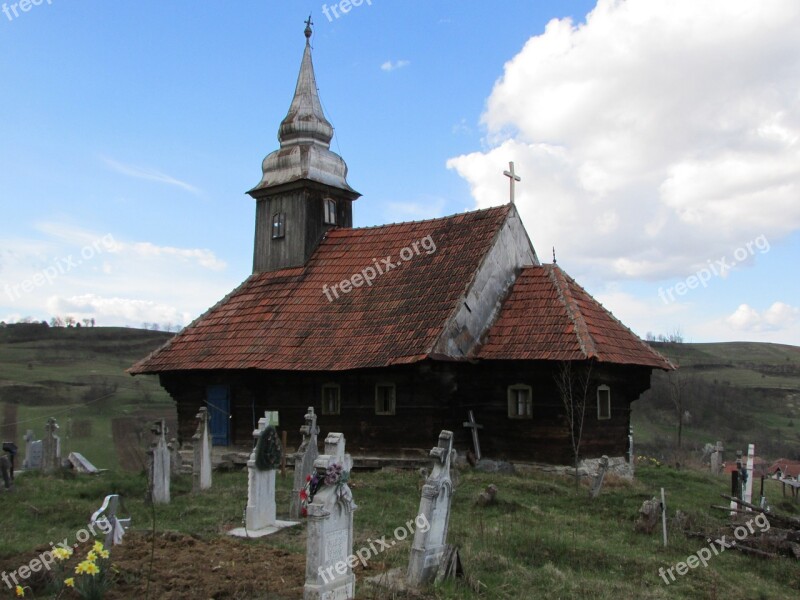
{"x": 678, "y": 383}
{"x": 573, "y": 389}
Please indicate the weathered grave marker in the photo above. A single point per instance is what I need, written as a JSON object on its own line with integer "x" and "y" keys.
{"x": 748, "y": 484}
{"x": 597, "y": 485}
{"x": 51, "y": 447}
{"x": 430, "y": 543}
{"x": 716, "y": 459}
{"x": 260, "y": 515}
{"x": 201, "y": 468}
{"x": 329, "y": 555}
{"x": 108, "y": 521}
{"x": 81, "y": 464}
{"x": 33, "y": 452}
{"x": 471, "y": 424}
{"x": 175, "y": 458}
{"x": 158, "y": 466}
{"x": 304, "y": 459}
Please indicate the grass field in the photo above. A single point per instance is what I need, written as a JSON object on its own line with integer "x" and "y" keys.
{"x": 76, "y": 375}
{"x": 543, "y": 540}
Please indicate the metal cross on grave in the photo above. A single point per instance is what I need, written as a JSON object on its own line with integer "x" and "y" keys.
{"x": 471, "y": 424}
{"x": 513, "y": 177}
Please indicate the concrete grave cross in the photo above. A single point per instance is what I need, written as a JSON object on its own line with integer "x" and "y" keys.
{"x": 304, "y": 460}
{"x": 716, "y": 459}
{"x": 51, "y": 446}
{"x": 329, "y": 551}
{"x": 201, "y": 467}
{"x": 107, "y": 520}
{"x": 158, "y": 457}
{"x": 430, "y": 543}
{"x": 471, "y": 424}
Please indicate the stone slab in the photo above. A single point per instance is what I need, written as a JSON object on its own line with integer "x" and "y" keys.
{"x": 259, "y": 533}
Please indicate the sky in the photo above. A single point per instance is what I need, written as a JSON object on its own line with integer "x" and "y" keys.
{"x": 658, "y": 145}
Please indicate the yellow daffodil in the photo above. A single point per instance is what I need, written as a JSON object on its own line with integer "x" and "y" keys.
{"x": 70, "y": 582}
{"x": 20, "y": 592}
{"x": 62, "y": 553}
{"x": 103, "y": 553}
{"x": 84, "y": 567}
{"x": 92, "y": 556}
{"x": 92, "y": 569}
{"x": 98, "y": 546}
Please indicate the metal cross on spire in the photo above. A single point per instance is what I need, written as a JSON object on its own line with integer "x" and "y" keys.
{"x": 513, "y": 177}
{"x": 308, "y": 31}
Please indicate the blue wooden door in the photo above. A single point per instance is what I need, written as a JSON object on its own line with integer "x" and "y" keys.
{"x": 218, "y": 399}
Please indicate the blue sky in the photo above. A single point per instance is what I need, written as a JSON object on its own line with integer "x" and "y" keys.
{"x": 653, "y": 144}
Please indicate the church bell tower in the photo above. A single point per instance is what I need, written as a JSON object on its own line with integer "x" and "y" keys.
{"x": 304, "y": 190}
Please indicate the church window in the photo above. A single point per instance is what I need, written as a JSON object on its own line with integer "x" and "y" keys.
{"x": 278, "y": 225}
{"x": 603, "y": 402}
{"x": 520, "y": 402}
{"x": 385, "y": 399}
{"x": 331, "y": 399}
{"x": 330, "y": 211}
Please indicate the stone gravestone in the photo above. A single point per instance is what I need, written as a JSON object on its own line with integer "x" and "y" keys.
{"x": 33, "y": 459}
{"x": 51, "y": 447}
{"x": 260, "y": 515}
{"x": 304, "y": 459}
{"x": 33, "y": 452}
{"x": 80, "y": 463}
{"x": 329, "y": 554}
{"x": 201, "y": 468}
{"x": 430, "y": 543}
{"x": 716, "y": 459}
{"x": 158, "y": 466}
{"x": 107, "y": 520}
{"x": 175, "y": 458}
{"x": 597, "y": 485}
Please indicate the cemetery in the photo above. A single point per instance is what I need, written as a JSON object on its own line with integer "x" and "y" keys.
{"x": 477, "y": 445}
{"x": 448, "y": 530}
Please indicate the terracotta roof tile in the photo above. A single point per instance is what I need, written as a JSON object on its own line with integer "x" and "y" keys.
{"x": 548, "y": 316}
{"x": 282, "y": 320}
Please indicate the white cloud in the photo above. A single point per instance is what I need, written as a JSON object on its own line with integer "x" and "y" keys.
{"x": 116, "y": 310}
{"x": 391, "y": 66}
{"x": 204, "y": 257}
{"x": 148, "y": 174}
{"x": 78, "y": 272}
{"x": 652, "y": 138}
{"x": 779, "y": 316}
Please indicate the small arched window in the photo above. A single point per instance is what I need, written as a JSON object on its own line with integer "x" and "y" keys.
{"x": 278, "y": 225}
{"x": 330, "y": 211}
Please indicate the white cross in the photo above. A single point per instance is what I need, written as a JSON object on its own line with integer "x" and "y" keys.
{"x": 513, "y": 177}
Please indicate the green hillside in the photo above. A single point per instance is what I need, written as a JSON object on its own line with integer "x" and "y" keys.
{"x": 77, "y": 375}
{"x": 737, "y": 392}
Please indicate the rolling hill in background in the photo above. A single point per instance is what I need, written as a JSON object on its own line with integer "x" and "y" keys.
{"x": 77, "y": 375}
{"x": 737, "y": 393}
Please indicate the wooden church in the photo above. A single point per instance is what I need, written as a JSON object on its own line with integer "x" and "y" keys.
{"x": 393, "y": 333}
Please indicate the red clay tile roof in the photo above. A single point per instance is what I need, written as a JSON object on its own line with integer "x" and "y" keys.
{"x": 548, "y": 316}
{"x": 789, "y": 468}
{"x": 281, "y": 320}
